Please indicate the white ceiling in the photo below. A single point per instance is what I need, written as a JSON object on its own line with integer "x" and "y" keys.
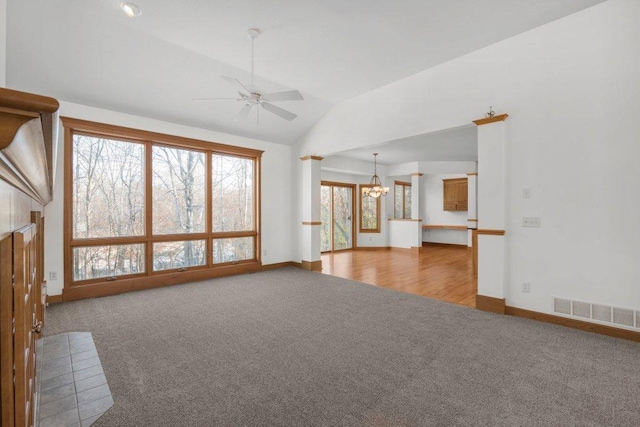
{"x": 89, "y": 52}
{"x": 457, "y": 145}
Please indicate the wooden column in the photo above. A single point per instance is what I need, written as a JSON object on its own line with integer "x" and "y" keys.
{"x": 311, "y": 213}
{"x": 491, "y": 209}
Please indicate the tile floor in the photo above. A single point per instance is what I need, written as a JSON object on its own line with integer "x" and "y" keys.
{"x": 73, "y": 388}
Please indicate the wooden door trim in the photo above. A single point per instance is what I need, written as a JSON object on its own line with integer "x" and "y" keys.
{"x": 354, "y": 236}
{"x": 6, "y": 332}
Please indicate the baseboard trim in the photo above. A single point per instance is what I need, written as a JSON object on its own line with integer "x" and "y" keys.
{"x": 424, "y": 244}
{"x": 372, "y": 248}
{"x": 281, "y": 265}
{"x": 490, "y": 304}
{"x": 312, "y": 265}
{"x": 54, "y": 299}
{"x": 574, "y": 323}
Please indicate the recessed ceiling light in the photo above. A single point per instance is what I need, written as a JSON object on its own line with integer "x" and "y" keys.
{"x": 131, "y": 10}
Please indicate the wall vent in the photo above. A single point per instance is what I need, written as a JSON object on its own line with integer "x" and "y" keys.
{"x": 562, "y": 306}
{"x": 622, "y": 316}
{"x": 581, "y": 309}
{"x": 600, "y": 313}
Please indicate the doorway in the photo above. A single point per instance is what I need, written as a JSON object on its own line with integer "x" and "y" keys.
{"x": 337, "y": 201}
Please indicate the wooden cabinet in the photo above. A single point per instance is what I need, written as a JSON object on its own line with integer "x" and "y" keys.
{"x": 455, "y": 194}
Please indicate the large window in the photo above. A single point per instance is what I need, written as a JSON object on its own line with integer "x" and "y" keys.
{"x": 140, "y": 204}
{"x": 369, "y": 212}
{"x": 402, "y": 200}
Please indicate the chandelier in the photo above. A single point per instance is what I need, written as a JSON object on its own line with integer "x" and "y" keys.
{"x": 375, "y": 189}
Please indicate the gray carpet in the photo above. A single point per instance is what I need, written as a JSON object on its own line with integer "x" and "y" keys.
{"x": 291, "y": 347}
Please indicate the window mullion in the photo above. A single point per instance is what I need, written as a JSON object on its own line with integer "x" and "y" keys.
{"x": 209, "y": 207}
{"x": 148, "y": 207}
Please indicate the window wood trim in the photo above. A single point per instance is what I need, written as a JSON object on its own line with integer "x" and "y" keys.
{"x": 354, "y": 236}
{"x": 378, "y": 203}
{"x": 104, "y": 285}
{"x": 404, "y": 201}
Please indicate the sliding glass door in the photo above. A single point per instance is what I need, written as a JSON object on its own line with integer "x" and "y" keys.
{"x": 336, "y": 211}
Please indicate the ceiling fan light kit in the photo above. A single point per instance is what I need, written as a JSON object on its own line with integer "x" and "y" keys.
{"x": 131, "y": 10}
{"x": 251, "y": 96}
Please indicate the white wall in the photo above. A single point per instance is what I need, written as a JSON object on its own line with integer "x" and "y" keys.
{"x": 3, "y": 43}
{"x": 276, "y": 185}
{"x": 431, "y": 200}
{"x": 572, "y": 91}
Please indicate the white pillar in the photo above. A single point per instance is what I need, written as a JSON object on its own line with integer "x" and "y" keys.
{"x": 311, "y": 213}
{"x": 492, "y": 206}
{"x": 472, "y": 207}
{"x": 416, "y": 192}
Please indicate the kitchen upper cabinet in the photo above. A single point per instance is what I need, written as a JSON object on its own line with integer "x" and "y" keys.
{"x": 455, "y": 194}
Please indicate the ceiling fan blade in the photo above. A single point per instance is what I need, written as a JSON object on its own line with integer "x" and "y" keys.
{"x": 290, "y": 95}
{"x": 237, "y": 84}
{"x": 287, "y": 115}
{"x": 214, "y": 99}
{"x": 244, "y": 112}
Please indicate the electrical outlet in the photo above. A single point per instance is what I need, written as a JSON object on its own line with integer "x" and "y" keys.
{"x": 526, "y": 193}
{"x": 533, "y": 221}
{"x": 53, "y": 275}
{"x": 526, "y": 287}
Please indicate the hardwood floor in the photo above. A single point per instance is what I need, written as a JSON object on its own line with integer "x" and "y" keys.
{"x": 443, "y": 272}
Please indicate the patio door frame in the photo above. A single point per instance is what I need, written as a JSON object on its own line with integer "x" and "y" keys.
{"x": 353, "y": 187}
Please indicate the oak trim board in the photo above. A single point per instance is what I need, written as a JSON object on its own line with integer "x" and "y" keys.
{"x": 280, "y": 265}
{"x": 488, "y": 232}
{"x": 490, "y": 304}
{"x": 312, "y": 265}
{"x": 361, "y": 196}
{"x": 122, "y": 285}
{"x": 574, "y": 323}
{"x": 493, "y": 119}
{"x": 311, "y": 222}
{"x": 86, "y": 127}
{"x": 54, "y": 299}
{"x": 311, "y": 158}
{"x": 443, "y": 227}
{"x": 6, "y": 331}
{"x": 372, "y": 248}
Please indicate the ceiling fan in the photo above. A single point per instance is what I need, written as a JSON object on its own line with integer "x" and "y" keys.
{"x": 252, "y": 96}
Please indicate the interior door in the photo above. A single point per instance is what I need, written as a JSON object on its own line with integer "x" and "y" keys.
{"x": 337, "y": 205}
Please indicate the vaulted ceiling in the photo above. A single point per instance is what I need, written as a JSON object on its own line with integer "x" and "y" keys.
{"x": 90, "y": 53}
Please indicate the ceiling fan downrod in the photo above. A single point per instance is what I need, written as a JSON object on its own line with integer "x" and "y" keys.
{"x": 253, "y": 34}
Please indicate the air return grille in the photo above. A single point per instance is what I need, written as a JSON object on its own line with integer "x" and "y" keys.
{"x": 600, "y": 313}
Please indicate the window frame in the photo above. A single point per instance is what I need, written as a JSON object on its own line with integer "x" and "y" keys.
{"x": 150, "y": 278}
{"x": 368, "y": 230}
{"x": 403, "y": 184}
